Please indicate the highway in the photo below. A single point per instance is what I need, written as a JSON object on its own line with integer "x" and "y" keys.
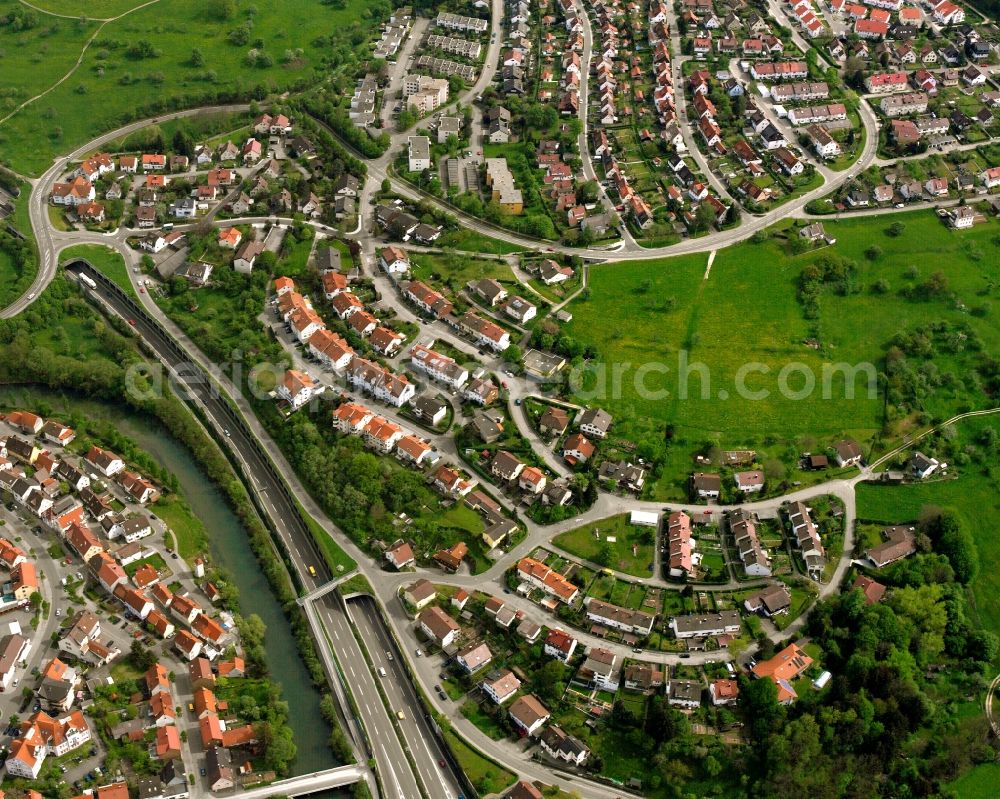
{"x": 403, "y": 696}
{"x": 397, "y": 777}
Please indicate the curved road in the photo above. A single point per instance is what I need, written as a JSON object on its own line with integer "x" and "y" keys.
{"x": 299, "y": 541}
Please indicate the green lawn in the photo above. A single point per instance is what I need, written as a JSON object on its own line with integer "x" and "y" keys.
{"x": 358, "y": 584}
{"x": 746, "y": 315}
{"x": 978, "y": 783}
{"x": 975, "y": 498}
{"x": 105, "y": 260}
{"x": 618, "y": 554}
{"x": 116, "y": 81}
{"x": 472, "y": 241}
{"x": 455, "y": 271}
{"x": 189, "y": 533}
{"x": 485, "y": 775}
{"x": 463, "y": 517}
{"x": 293, "y": 263}
{"x": 336, "y": 558}
{"x": 155, "y": 560}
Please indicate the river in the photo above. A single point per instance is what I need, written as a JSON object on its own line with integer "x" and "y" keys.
{"x": 230, "y": 550}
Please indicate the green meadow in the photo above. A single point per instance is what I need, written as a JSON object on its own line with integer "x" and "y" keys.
{"x": 747, "y": 314}
{"x": 974, "y": 495}
{"x": 144, "y": 63}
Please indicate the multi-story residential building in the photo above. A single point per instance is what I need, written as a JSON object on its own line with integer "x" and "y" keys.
{"x": 380, "y": 382}
{"x": 438, "y": 366}
{"x": 726, "y": 622}
{"x": 618, "y": 618}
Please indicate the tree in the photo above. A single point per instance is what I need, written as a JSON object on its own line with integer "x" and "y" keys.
{"x": 183, "y": 143}
{"x": 588, "y": 192}
{"x": 143, "y": 658}
{"x": 550, "y": 680}
{"x": 279, "y": 747}
{"x": 221, "y": 9}
{"x": 197, "y": 59}
{"x": 956, "y": 543}
{"x": 759, "y": 700}
{"x": 896, "y": 229}
{"x": 704, "y": 216}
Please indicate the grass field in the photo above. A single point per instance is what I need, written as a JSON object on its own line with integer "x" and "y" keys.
{"x": 471, "y": 241}
{"x": 978, "y": 783}
{"x": 488, "y": 777}
{"x": 975, "y": 498}
{"x": 618, "y": 554}
{"x": 132, "y": 82}
{"x": 189, "y": 533}
{"x": 456, "y": 271}
{"x": 746, "y": 314}
{"x": 104, "y": 259}
{"x": 92, "y": 9}
{"x": 36, "y": 57}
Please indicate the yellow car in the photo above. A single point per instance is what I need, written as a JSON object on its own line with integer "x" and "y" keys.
{"x": 312, "y": 571}
{"x": 400, "y": 715}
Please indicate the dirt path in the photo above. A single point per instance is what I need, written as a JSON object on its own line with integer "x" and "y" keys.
{"x": 79, "y": 59}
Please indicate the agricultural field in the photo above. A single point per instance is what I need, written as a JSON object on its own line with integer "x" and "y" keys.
{"x": 160, "y": 57}
{"x": 747, "y": 314}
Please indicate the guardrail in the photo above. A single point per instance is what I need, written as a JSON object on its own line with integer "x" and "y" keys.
{"x": 239, "y": 423}
{"x": 234, "y": 417}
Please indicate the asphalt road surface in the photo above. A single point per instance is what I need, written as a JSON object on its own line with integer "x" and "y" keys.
{"x": 398, "y": 686}
{"x": 397, "y": 777}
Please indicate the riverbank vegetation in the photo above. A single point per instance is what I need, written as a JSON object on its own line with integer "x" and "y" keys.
{"x": 61, "y": 343}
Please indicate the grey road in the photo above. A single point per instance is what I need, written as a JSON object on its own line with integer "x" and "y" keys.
{"x": 402, "y": 696}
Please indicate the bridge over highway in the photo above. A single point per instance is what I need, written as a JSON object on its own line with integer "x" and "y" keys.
{"x": 305, "y": 784}
{"x": 326, "y": 588}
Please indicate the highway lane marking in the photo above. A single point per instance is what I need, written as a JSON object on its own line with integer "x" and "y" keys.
{"x": 395, "y": 779}
{"x": 436, "y": 774}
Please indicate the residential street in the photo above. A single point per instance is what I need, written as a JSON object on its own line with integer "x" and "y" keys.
{"x": 369, "y": 646}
